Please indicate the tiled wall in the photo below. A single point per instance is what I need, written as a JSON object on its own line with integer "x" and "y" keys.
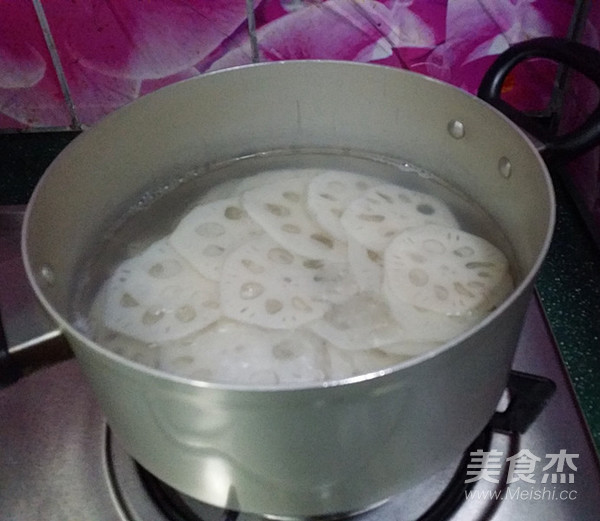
{"x": 104, "y": 53}
{"x": 66, "y": 63}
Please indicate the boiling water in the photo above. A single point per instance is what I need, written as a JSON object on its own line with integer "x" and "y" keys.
{"x": 356, "y": 334}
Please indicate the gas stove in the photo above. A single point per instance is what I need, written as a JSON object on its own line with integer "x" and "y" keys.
{"x": 60, "y": 461}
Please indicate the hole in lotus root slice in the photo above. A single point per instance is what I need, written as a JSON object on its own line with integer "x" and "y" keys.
{"x": 206, "y": 235}
{"x": 289, "y": 296}
{"x": 376, "y": 217}
{"x": 329, "y": 194}
{"x": 280, "y": 208}
{"x": 148, "y": 300}
{"x": 446, "y": 282}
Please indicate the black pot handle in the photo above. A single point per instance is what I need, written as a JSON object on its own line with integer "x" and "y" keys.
{"x": 580, "y": 57}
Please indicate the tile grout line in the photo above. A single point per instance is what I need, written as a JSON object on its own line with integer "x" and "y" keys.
{"x": 252, "y": 30}
{"x": 58, "y": 68}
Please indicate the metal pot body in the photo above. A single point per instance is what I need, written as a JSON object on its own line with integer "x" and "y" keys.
{"x": 313, "y": 450}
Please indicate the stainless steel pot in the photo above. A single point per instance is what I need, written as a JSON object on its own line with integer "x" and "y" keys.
{"x": 313, "y": 450}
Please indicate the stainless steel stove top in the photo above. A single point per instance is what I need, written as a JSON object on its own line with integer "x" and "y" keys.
{"x": 59, "y": 460}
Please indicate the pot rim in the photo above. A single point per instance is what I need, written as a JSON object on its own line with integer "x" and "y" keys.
{"x": 524, "y": 285}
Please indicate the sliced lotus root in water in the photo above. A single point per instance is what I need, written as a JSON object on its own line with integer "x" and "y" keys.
{"x": 207, "y": 234}
{"x": 224, "y": 190}
{"x": 157, "y": 296}
{"x": 346, "y": 364}
{"x": 231, "y": 352}
{"x": 376, "y": 217}
{"x": 425, "y": 326}
{"x": 362, "y": 322}
{"x": 280, "y": 208}
{"x": 267, "y": 285}
{"x": 445, "y": 270}
{"x": 409, "y": 349}
{"x": 329, "y": 194}
{"x": 334, "y": 281}
{"x": 269, "y": 177}
{"x": 144, "y": 353}
{"x": 366, "y": 266}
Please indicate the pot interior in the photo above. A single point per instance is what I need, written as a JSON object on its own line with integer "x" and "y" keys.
{"x": 165, "y": 149}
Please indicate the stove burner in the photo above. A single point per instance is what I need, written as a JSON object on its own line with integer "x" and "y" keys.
{"x": 178, "y": 507}
{"x": 526, "y": 397}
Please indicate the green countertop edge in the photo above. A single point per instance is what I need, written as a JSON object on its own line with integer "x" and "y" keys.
{"x": 568, "y": 283}
{"x": 569, "y": 288}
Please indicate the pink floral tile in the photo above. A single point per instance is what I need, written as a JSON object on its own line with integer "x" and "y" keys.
{"x": 113, "y": 51}
{"x": 476, "y": 32}
{"x": 30, "y": 94}
{"x": 455, "y": 40}
{"x": 362, "y": 30}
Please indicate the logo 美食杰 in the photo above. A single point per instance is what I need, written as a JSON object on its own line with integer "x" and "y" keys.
{"x": 537, "y": 478}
